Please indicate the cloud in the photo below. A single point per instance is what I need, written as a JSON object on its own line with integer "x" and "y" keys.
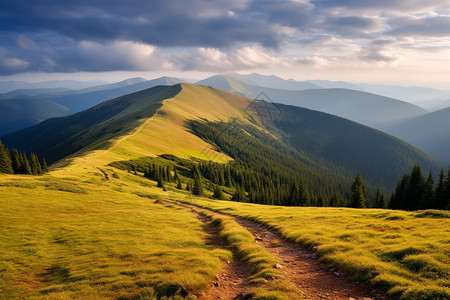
{"x": 420, "y": 27}
{"x": 10, "y": 64}
{"x": 221, "y": 35}
{"x": 118, "y": 55}
{"x": 215, "y": 60}
{"x": 376, "y": 52}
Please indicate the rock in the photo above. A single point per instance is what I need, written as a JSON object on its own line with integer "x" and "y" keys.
{"x": 244, "y": 296}
{"x": 277, "y": 266}
{"x": 338, "y": 274}
{"x": 216, "y": 284}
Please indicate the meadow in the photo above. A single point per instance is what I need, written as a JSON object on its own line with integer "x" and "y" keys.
{"x": 406, "y": 253}
{"x": 68, "y": 239}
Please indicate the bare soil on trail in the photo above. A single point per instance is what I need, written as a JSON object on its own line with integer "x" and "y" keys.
{"x": 232, "y": 280}
{"x": 316, "y": 280}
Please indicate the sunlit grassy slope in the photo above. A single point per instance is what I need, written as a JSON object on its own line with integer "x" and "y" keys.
{"x": 86, "y": 230}
{"x": 76, "y": 233}
{"x": 408, "y": 253}
{"x": 93, "y": 239}
{"x": 167, "y": 131}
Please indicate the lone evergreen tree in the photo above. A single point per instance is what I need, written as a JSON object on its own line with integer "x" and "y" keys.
{"x": 358, "y": 197}
{"x": 380, "y": 201}
{"x": 218, "y": 193}
{"x": 197, "y": 189}
{"x": 5, "y": 160}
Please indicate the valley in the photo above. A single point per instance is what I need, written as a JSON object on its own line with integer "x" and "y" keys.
{"x": 115, "y": 216}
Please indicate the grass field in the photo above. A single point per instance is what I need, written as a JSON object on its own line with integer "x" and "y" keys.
{"x": 65, "y": 239}
{"x": 407, "y": 253}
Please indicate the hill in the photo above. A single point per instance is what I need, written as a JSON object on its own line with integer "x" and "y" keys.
{"x": 56, "y": 102}
{"x": 272, "y": 81}
{"x": 362, "y": 107}
{"x": 317, "y": 144}
{"x": 430, "y": 132}
{"x": 8, "y": 86}
{"x": 58, "y": 137}
{"x": 19, "y": 113}
{"x": 83, "y": 99}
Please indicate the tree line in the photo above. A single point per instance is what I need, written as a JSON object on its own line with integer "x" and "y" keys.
{"x": 414, "y": 191}
{"x": 14, "y": 162}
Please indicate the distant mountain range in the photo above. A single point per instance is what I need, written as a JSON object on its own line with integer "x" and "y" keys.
{"x": 25, "y": 107}
{"x": 319, "y": 144}
{"x": 8, "y": 86}
{"x": 60, "y": 102}
{"x": 430, "y": 132}
{"x": 362, "y": 107}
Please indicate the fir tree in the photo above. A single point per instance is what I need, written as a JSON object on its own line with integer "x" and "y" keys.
{"x": 36, "y": 168}
{"x": 380, "y": 201}
{"x": 5, "y": 160}
{"x": 428, "y": 198}
{"x": 440, "y": 191}
{"x": 218, "y": 193}
{"x": 44, "y": 166}
{"x": 197, "y": 188}
{"x": 358, "y": 197}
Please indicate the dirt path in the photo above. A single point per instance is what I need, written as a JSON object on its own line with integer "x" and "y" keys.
{"x": 231, "y": 281}
{"x": 300, "y": 266}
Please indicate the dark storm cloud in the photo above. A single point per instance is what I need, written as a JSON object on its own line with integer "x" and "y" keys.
{"x": 162, "y": 23}
{"x": 50, "y": 35}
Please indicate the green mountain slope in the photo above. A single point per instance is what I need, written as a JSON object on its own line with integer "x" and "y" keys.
{"x": 320, "y": 144}
{"x": 83, "y": 99}
{"x": 59, "y": 137}
{"x": 18, "y": 113}
{"x": 430, "y": 132}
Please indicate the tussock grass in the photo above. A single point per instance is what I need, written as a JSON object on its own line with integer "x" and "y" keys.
{"x": 59, "y": 243}
{"x": 407, "y": 253}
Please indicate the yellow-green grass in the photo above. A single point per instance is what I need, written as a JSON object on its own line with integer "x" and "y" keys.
{"x": 267, "y": 282}
{"x": 73, "y": 239}
{"x": 407, "y": 253}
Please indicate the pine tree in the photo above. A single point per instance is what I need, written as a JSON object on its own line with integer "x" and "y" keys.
{"x": 445, "y": 202}
{"x": 5, "y": 160}
{"x": 304, "y": 195}
{"x": 16, "y": 162}
{"x": 239, "y": 195}
{"x": 428, "y": 198}
{"x": 218, "y": 193}
{"x": 358, "y": 197}
{"x": 179, "y": 185}
{"x": 197, "y": 189}
{"x": 26, "y": 168}
{"x": 380, "y": 201}
{"x": 160, "y": 182}
{"x": 36, "y": 168}
{"x": 440, "y": 191}
{"x": 44, "y": 166}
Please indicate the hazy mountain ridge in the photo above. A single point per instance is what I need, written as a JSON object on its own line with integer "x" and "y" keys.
{"x": 329, "y": 142}
{"x": 19, "y": 113}
{"x": 362, "y": 107}
{"x": 430, "y": 132}
{"x": 8, "y": 86}
{"x": 69, "y": 101}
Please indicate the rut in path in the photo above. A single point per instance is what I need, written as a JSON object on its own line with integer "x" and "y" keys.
{"x": 300, "y": 266}
{"x": 233, "y": 279}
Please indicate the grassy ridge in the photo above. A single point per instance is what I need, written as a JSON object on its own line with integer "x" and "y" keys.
{"x": 64, "y": 238}
{"x": 407, "y": 253}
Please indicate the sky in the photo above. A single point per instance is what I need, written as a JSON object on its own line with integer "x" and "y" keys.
{"x": 389, "y": 41}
